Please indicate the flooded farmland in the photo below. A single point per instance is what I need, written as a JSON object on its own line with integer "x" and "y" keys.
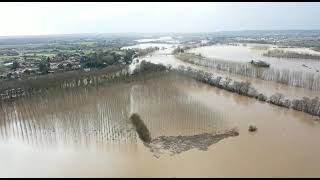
{"x": 295, "y": 72}
{"x": 245, "y": 54}
{"x": 86, "y": 132}
{"x": 264, "y": 86}
{"x": 196, "y": 130}
{"x": 159, "y": 90}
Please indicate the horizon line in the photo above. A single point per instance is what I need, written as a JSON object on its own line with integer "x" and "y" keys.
{"x": 121, "y": 33}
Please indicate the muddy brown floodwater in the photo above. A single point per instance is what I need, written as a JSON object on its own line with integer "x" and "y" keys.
{"x": 266, "y": 87}
{"x": 86, "y": 132}
{"x": 245, "y": 54}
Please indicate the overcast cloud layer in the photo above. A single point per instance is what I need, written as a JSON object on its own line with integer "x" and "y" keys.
{"x": 67, "y": 18}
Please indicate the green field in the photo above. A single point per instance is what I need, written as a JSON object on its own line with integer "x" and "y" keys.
{"x": 22, "y": 46}
{"x": 89, "y": 43}
{"x": 8, "y": 58}
{"x": 3, "y": 68}
{"x": 41, "y": 54}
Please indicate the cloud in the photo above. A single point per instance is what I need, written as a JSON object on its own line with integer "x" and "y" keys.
{"x": 90, "y": 17}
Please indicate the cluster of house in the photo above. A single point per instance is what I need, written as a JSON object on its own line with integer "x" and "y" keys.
{"x": 31, "y": 67}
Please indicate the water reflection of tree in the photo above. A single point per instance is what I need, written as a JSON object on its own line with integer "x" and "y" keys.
{"x": 95, "y": 115}
{"x": 98, "y": 114}
{"x": 166, "y": 109}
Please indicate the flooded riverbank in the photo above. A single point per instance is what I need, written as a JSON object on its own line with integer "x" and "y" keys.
{"x": 288, "y": 73}
{"x": 245, "y": 54}
{"x": 266, "y": 87}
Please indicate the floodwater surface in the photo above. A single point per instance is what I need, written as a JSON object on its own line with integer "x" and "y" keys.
{"x": 86, "y": 132}
{"x": 245, "y": 54}
{"x": 266, "y": 87}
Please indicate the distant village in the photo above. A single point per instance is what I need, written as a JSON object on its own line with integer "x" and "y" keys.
{"x": 32, "y": 66}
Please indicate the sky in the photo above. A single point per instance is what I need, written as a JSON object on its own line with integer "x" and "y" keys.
{"x": 36, "y": 18}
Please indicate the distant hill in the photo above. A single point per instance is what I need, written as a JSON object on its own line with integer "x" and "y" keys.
{"x": 269, "y": 33}
{"x": 36, "y": 39}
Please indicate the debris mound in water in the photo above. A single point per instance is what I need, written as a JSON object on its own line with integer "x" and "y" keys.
{"x": 141, "y": 128}
{"x": 178, "y": 144}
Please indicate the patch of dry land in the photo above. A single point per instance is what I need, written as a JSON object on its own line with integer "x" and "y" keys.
{"x": 173, "y": 145}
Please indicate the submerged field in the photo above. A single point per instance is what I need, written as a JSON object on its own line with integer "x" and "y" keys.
{"x": 86, "y": 132}
{"x": 196, "y": 130}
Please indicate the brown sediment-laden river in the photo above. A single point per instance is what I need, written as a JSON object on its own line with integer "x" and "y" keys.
{"x": 86, "y": 132}
{"x": 296, "y": 72}
{"x": 266, "y": 87}
{"x": 250, "y": 52}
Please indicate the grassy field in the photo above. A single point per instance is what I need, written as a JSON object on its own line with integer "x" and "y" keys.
{"x": 19, "y": 46}
{"x": 41, "y": 54}
{"x": 3, "y": 68}
{"x": 89, "y": 43}
{"x": 8, "y": 58}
